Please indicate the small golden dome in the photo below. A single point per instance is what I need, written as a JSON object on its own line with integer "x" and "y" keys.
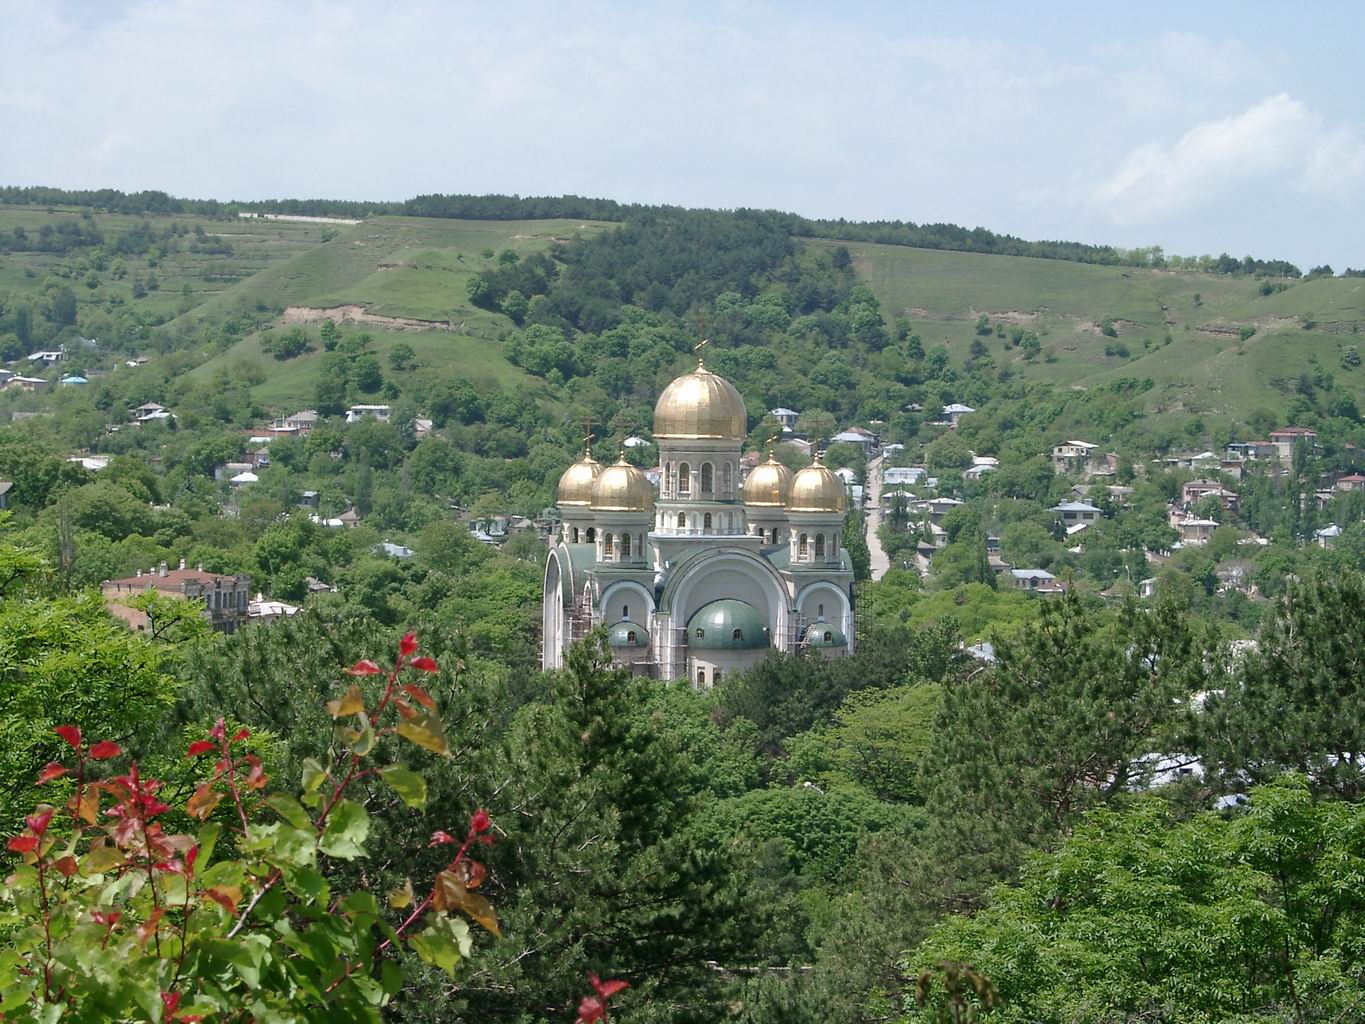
{"x": 622, "y": 488}
{"x": 575, "y": 486}
{"x": 700, "y": 406}
{"x": 767, "y": 484}
{"x": 817, "y": 489}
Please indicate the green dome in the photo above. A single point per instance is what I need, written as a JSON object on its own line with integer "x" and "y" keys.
{"x": 823, "y": 634}
{"x": 727, "y": 625}
{"x": 627, "y": 634}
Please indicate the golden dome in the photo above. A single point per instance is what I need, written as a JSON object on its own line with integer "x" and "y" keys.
{"x": 575, "y": 486}
{"x": 700, "y": 406}
{"x": 767, "y": 484}
{"x": 622, "y": 488}
{"x": 817, "y": 489}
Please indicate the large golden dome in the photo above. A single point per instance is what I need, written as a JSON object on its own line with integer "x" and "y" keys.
{"x": 575, "y": 486}
{"x": 768, "y": 484}
{"x": 817, "y": 489}
{"x": 622, "y": 488}
{"x": 700, "y": 406}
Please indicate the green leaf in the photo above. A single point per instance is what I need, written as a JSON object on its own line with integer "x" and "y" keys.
{"x": 208, "y": 839}
{"x": 426, "y": 731}
{"x": 347, "y": 829}
{"x": 360, "y": 741}
{"x": 444, "y": 943}
{"x": 410, "y": 787}
{"x": 289, "y": 809}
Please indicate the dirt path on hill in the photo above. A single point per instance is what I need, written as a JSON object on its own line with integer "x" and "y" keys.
{"x": 359, "y": 315}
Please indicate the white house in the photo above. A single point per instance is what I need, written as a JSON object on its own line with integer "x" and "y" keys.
{"x": 1031, "y": 579}
{"x": 47, "y": 358}
{"x": 903, "y": 474}
{"x": 954, "y": 412}
{"x": 356, "y": 413}
{"x": 1327, "y": 536}
{"x": 635, "y": 441}
{"x": 1074, "y": 512}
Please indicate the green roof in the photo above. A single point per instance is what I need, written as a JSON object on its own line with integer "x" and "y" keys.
{"x": 727, "y": 625}
{"x": 824, "y": 634}
{"x": 627, "y": 634}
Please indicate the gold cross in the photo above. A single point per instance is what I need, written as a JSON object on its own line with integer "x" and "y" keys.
{"x": 587, "y": 435}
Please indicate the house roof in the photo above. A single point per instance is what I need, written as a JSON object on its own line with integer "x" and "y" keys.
{"x": 174, "y": 579}
{"x": 1074, "y": 506}
{"x": 957, "y": 407}
{"x": 1293, "y": 432}
{"x": 1032, "y": 574}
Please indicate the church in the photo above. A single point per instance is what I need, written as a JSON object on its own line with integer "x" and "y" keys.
{"x": 713, "y": 571}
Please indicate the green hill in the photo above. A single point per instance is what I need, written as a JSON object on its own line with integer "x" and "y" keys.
{"x": 1206, "y": 368}
{"x": 401, "y": 279}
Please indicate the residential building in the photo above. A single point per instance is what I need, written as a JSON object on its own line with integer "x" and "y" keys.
{"x": 356, "y": 413}
{"x": 73, "y": 379}
{"x": 953, "y": 413}
{"x": 1252, "y": 450}
{"x": 90, "y": 463}
{"x": 1286, "y": 438}
{"x": 786, "y": 417}
{"x": 1328, "y": 536}
{"x": 635, "y": 441}
{"x": 859, "y": 436}
{"x": 1078, "y": 458}
{"x": 5, "y": 487}
{"x": 225, "y": 599}
{"x": 1076, "y": 513}
{"x": 1031, "y": 579}
{"x": 261, "y": 610}
{"x": 29, "y": 383}
{"x": 1196, "y": 531}
{"x": 1353, "y": 482}
{"x": 903, "y": 475}
{"x": 48, "y": 358}
{"x": 396, "y": 550}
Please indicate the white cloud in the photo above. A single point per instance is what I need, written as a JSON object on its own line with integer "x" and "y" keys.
{"x": 1278, "y": 143}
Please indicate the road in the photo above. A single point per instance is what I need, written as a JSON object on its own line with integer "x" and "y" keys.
{"x": 873, "y": 497}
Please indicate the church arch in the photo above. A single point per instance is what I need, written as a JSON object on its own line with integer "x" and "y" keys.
{"x": 708, "y": 482}
{"x": 684, "y": 478}
{"x": 819, "y": 545}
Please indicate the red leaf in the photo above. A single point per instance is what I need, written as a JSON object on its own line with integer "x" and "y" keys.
{"x": 607, "y": 989}
{"x": 108, "y": 918}
{"x": 37, "y": 823}
{"x": 51, "y": 770}
{"x": 22, "y": 844}
{"x": 440, "y": 838}
{"x": 70, "y": 733}
{"x": 219, "y": 729}
{"x": 408, "y": 645}
{"x": 420, "y": 695}
{"x": 199, "y": 747}
{"x": 149, "y": 927}
{"x": 67, "y": 866}
{"x": 223, "y": 899}
{"x": 364, "y": 667}
{"x": 105, "y": 749}
{"x": 191, "y": 855}
{"x": 241, "y": 734}
{"x": 425, "y": 664}
{"x": 590, "y": 1010}
{"x": 170, "y": 1000}
{"x": 480, "y": 821}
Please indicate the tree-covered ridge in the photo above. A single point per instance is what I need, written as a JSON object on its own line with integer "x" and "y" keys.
{"x": 514, "y": 207}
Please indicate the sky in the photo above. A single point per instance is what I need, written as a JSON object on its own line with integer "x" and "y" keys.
{"x": 1200, "y": 127}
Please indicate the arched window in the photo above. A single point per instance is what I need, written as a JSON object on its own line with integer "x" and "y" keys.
{"x": 701, "y": 677}
{"x": 774, "y": 535}
{"x": 625, "y": 612}
{"x": 575, "y": 535}
{"x": 701, "y": 633}
{"x": 727, "y": 475}
{"x": 592, "y": 535}
{"x": 684, "y": 478}
{"x": 707, "y": 481}
{"x": 682, "y": 521}
{"x": 801, "y": 546}
{"x": 829, "y": 637}
{"x": 706, "y": 521}
{"x": 670, "y": 481}
{"x": 631, "y": 638}
{"x": 606, "y": 543}
{"x": 625, "y": 545}
{"x": 819, "y": 545}
{"x": 819, "y": 611}
{"x": 737, "y": 635}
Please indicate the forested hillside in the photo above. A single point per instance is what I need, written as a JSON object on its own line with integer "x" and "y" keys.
{"x": 1128, "y": 792}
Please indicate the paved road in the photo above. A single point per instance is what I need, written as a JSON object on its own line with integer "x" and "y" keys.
{"x": 880, "y": 563}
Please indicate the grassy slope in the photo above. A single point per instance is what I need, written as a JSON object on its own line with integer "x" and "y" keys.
{"x": 392, "y": 266}
{"x": 257, "y": 246}
{"x": 1213, "y": 374}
